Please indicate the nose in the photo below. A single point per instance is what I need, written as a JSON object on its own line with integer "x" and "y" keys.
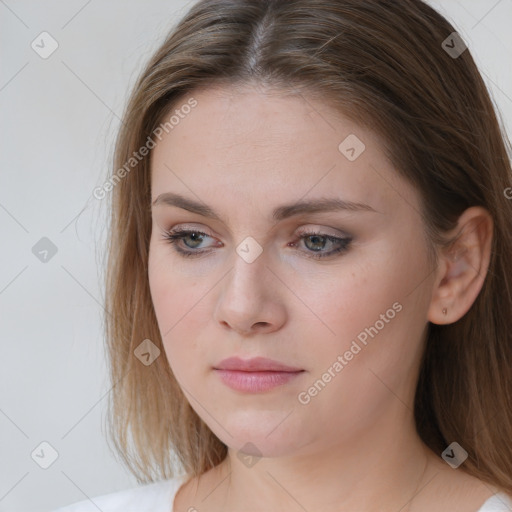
{"x": 250, "y": 300}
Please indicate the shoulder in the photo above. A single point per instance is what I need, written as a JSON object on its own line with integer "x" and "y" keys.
{"x": 499, "y": 502}
{"x": 152, "y": 497}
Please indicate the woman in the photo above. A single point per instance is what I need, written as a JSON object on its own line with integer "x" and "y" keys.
{"x": 309, "y": 276}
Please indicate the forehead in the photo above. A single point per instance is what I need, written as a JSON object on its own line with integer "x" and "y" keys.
{"x": 270, "y": 148}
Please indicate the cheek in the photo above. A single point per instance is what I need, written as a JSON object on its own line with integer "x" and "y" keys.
{"x": 172, "y": 292}
{"x": 345, "y": 300}
{"x": 370, "y": 350}
{"x": 181, "y": 310}
{"x": 169, "y": 301}
{"x": 372, "y": 312}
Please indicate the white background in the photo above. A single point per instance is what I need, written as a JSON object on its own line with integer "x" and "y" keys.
{"x": 58, "y": 119}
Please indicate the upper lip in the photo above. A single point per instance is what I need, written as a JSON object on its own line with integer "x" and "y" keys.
{"x": 254, "y": 365}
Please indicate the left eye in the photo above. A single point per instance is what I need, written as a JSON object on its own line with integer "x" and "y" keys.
{"x": 320, "y": 240}
{"x": 318, "y": 243}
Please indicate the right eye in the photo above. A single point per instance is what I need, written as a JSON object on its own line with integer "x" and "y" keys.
{"x": 174, "y": 237}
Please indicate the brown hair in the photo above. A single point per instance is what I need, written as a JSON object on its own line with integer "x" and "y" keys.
{"x": 381, "y": 63}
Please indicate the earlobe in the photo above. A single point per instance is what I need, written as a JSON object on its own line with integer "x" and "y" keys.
{"x": 462, "y": 268}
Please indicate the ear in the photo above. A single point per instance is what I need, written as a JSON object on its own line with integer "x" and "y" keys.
{"x": 462, "y": 267}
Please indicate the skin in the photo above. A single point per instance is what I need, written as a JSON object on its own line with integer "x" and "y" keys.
{"x": 354, "y": 445}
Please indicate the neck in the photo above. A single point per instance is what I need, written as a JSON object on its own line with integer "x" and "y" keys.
{"x": 381, "y": 470}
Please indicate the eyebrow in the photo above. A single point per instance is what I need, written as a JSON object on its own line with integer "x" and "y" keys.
{"x": 278, "y": 214}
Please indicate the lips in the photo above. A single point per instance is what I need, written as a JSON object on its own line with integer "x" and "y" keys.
{"x": 256, "y": 375}
{"x": 256, "y": 364}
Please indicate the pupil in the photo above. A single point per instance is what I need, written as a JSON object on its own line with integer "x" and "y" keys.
{"x": 195, "y": 237}
{"x": 316, "y": 237}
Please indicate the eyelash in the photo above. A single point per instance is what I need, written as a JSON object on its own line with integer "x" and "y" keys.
{"x": 173, "y": 237}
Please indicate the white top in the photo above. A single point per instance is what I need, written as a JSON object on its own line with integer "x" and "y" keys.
{"x": 159, "y": 497}
{"x": 152, "y": 497}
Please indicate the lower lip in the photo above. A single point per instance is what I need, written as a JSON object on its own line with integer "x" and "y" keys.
{"x": 255, "y": 382}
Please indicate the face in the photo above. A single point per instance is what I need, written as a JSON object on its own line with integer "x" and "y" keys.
{"x": 340, "y": 294}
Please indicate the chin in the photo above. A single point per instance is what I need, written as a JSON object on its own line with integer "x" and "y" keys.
{"x": 259, "y": 434}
